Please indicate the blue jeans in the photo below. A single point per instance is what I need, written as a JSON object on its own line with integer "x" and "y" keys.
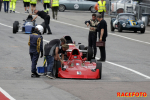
{"x": 6, "y": 3}
{"x": 50, "y": 63}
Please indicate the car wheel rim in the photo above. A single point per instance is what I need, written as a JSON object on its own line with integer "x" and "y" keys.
{"x": 93, "y": 9}
{"x": 61, "y": 8}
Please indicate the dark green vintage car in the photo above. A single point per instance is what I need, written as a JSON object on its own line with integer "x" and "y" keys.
{"x": 84, "y": 5}
{"x": 127, "y": 21}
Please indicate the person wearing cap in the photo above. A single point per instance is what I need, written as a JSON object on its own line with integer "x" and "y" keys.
{"x": 52, "y": 51}
{"x": 35, "y": 48}
{"x": 44, "y": 16}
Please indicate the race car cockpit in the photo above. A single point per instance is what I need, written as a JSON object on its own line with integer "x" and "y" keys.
{"x": 68, "y": 39}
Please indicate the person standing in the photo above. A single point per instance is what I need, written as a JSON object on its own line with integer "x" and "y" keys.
{"x": 26, "y": 5}
{"x": 46, "y": 5}
{"x": 92, "y": 33}
{"x": 52, "y": 51}
{"x": 6, "y": 5}
{"x": 33, "y": 5}
{"x": 12, "y": 5}
{"x": 44, "y": 16}
{"x": 36, "y": 46}
{"x": 54, "y": 6}
{"x": 102, "y": 29}
{"x": 102, "y": 7}
{"x": 1, "y": 4}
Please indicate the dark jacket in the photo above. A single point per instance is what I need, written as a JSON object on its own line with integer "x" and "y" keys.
{"x": 35, "y": 43}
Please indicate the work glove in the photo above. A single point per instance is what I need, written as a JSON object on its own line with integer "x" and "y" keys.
{"x": 41, "y": 54}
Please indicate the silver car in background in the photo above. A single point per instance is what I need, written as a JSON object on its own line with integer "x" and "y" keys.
{"x": 84, "y": 5}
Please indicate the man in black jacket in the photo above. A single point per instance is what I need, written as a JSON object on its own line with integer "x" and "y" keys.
{"x": 102, "y": 29}
{"x": 44, "y": 16}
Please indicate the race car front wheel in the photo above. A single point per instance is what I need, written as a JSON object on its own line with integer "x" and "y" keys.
{"x": 119, "y": 28}
{"x": 112, "y": 28}
{"x": 143, "y": 31}
{"x": 89, "y": 53}
{"x": 99, "y": 66}
{"x": 15, "y": 27}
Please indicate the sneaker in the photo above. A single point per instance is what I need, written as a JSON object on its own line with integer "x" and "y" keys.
{"x": 49, "y": 75}
{"x": 27, "y": 11}
{"x": 10, "y": 11}
{"x": 35, "y": 75}
{"x": 56, "y": 18}
{"x": 13, "y": 11}
{"x": 49, "y": 33}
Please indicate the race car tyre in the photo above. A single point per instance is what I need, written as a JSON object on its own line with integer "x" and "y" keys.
{"x": 119, "y": 28}
{"x": 89, "y": 53}
{"x": 81, "y": 47}
{"x": 143, "y": 31}
{"x": 57, "y": 64}
{"x": 62, "y": 8}
{"x": 44, "y": 26}
{"x": 23, "y": 29}
{"x": 135, "y": 31}
{"x": 112, "y": 28}
{"x": 15, "y": 27}
{"x": 93, "y": 9}
{"x": 93, "y": 60}
{"x": 99, "y": 66}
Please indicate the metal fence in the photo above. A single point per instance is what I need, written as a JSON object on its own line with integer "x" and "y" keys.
{"x": 141, "y": 10}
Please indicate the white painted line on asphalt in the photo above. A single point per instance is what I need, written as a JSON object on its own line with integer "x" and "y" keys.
{"x": 148, "y": 77}
{"x": 6, "y": 94}
{"x": 129, "y": 69}
{"x": 129, "y": 38}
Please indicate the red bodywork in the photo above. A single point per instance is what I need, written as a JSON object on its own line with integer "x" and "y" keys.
{"x": 76, "y": 67}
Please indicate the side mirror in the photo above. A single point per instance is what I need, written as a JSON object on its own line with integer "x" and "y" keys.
{"x": 79, "y": 43}
{"x": 24, "y": 20}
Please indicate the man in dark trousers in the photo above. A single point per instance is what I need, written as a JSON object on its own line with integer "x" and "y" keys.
{"x": 92, "y": 33}
{"x": 52, "y": 51}
{"x": 36, "y": 46}
{"x": 1, "y": 4}
{"x": 102, "y": 29}
{"x": 44, "y": 16}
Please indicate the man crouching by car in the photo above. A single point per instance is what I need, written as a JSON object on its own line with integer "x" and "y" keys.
{"x": 52, "y": 51}
{"x": 36, "y": 46}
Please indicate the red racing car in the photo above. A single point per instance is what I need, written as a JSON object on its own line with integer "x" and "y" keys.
{"x": 78, "y": 66}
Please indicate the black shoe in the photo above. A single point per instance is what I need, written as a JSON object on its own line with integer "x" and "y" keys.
{"x": 49, "y": 33}
{"x": 49, "y": 75}
{"x": 27, "y": 11}
{"x": 93, "y": 57}
{"x": 10, "y": 11}
{"x": 13, "y": 11}
{"x": 35, "y": 75}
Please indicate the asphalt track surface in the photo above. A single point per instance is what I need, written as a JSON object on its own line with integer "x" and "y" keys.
{"x": 127, "y": 68}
